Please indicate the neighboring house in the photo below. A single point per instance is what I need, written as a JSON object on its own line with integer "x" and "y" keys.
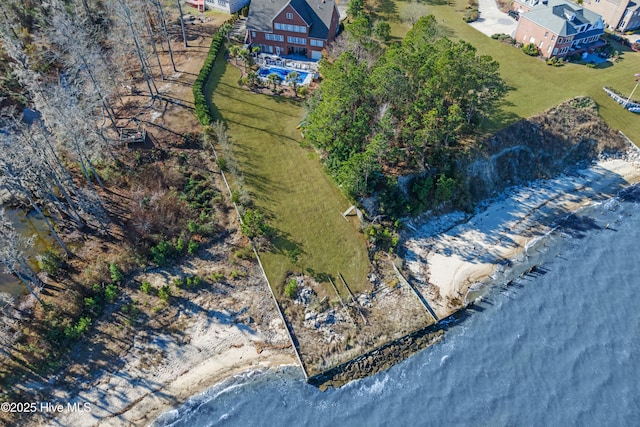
{"x": 621, "y": 15}
{"x": 558, "y": 27}
{"x": 292, "y": 27}
{"x": 228, "y": 6}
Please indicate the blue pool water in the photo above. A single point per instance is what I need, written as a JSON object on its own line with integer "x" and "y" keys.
{"x": 282, "y": 72}
{"x": 557, "y": 348}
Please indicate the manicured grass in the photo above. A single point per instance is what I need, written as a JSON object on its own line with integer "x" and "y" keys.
{"x": 536, "y": 86}
{"x": 288, "y": 184}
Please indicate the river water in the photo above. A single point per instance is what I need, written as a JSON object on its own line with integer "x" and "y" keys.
{"x": 27, "y": 225}
{"x": 558, "y": 347}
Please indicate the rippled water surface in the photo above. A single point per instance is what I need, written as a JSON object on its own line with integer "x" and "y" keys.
{"x": 559, "y": 347}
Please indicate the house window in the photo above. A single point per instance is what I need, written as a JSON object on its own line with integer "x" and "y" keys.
{"x": 277, "y": 26}
{"x": 253, "y": 33}
{"x": 317, "y": 43}
{"x": 223, "y": 3}
{"x": 274, "y": 37}
{"x": 289, "y": 15}
{"x": 553, "y": 38}
{"x": 296, "y": 40}
{"x": 560, "y": 40}
{"x": 546, "y": 34}
{"x": 289, "y": 28}
{"x": 555, "y": 51}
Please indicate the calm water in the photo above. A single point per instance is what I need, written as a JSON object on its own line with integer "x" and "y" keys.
{"x": 561, "y": 347}
{"x": 27, "y": 225}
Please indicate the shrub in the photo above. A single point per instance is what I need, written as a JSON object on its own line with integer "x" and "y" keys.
{"x": 91, "y": 305}
{"x": 471, "y": 15}
{"x": 116, "y": 273}
{"x": 555, "y": 61}
{"x": 111, "y": 292}
{"x": 80, "y": 328}
{"x": 193, "y": 282}
{"x": 217, "y": 277}
{"x": 165, "y": 293}
{"x": 50, "y": 262}
{"x": 245, "y": 253}
{"x": 382, "y": 237}
{"x": 146, "y": 288}
{"x": 531, "y": 49}
{"x": 180, "y": 245}
{"x": 162, "y": 252}
{"x": 291, "y": 288}
{"x": 235, "y": 274}
{"x": 253, "y": 224}
{"x": 222, "y": 164}
{"x": 591, "y": 65}
{"x": 192, "y": 247}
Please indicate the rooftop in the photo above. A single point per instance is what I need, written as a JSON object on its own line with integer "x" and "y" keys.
{"x": 317, "y": 13}
{"x": 562, "y": 17}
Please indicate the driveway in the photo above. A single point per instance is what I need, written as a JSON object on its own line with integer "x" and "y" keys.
{"x": 493, "y": 21}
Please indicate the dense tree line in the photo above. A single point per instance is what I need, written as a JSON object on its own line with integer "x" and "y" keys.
{"x": 383, "y": 112}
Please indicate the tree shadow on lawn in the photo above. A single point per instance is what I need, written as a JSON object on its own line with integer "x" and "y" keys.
{"x": 278, "y": 135}
{"x": 283, "y": 244}
{"x": 499, "y": 118}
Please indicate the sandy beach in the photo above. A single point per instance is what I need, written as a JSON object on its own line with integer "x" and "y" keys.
{"x": 135, "y": 396}
{"x": 162, "y": 371}
{"x": 448, "y": 259}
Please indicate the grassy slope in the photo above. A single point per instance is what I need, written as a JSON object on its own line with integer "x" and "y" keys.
{"x": 535, "y": 85}
{"x": 288, "y": 184}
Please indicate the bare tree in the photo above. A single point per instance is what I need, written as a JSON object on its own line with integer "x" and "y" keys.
{"x": 165, "y": 32}
{"x": 184, "y": 32}
{"x": 129, "y": 15}
{"x": 152, "y": 39}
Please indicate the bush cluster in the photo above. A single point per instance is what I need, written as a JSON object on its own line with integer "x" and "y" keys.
{"x": 531, "y": 49}
{"x": 555, "y": 61}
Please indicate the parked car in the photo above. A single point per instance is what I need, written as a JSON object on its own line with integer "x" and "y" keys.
{"x": 515, "y": 15}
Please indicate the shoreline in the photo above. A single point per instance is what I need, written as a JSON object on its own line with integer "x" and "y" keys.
{"x": 447, "y": 266}
{"x": 122, "y": 399}
{"x": 448, "y": 258}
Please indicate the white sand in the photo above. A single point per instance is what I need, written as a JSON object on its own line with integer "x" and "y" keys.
{"x": 161, "y": 374}
{"x": 469, "y": 253}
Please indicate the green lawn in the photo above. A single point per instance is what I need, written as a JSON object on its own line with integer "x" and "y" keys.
{"x": 288, "y": 184}
{"x": 535, "y": 86}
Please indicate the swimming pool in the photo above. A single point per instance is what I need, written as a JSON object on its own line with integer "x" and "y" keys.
{"x": 282, "y": 72}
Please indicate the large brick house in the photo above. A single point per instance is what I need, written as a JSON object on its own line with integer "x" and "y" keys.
{"x": 292, "y": 27}
{"x": 558, "y": 27}
{"x": 621, "y": 15}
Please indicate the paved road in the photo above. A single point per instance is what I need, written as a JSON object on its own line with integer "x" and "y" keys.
{"x": 493, "y": 21}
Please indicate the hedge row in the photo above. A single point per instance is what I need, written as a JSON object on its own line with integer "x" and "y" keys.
{"x": 203, "y": 112}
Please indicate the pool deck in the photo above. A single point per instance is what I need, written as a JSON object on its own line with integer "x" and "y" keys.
{"x": 290, "y": 66}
